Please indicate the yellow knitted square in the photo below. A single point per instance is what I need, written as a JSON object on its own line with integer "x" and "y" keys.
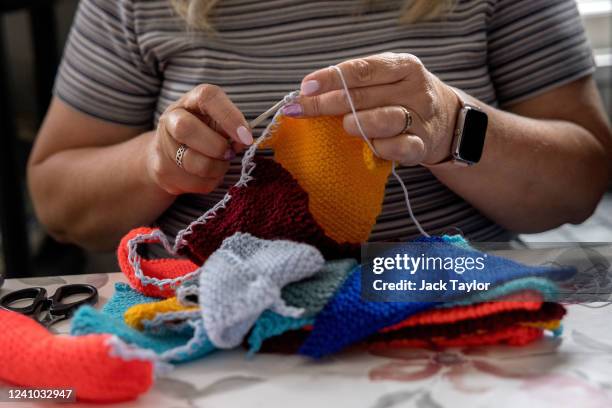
{"x": 136, "y": 314}
{"x": 345, "y": 182}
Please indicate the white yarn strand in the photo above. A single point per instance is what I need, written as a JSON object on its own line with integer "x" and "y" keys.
{"x": 371, "y": 146}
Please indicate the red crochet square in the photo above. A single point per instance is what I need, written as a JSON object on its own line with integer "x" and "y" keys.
{"x": 271, "y": 206}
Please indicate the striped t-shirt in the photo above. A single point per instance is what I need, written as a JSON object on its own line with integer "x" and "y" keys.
{"x": 127, "y": 60}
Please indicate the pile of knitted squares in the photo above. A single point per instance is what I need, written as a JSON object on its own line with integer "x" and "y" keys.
{"x": 323, "y": 188}
{"x": 273, "y": 266}
{"x": 516, "y": 311}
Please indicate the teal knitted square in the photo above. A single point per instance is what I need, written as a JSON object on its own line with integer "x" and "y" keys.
{"x": 171, "y": 346}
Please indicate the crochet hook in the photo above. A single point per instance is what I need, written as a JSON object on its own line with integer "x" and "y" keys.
{"x": 257, "y": 121}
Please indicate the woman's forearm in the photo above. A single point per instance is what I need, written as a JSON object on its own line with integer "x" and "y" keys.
{"x": 93, "y": 195}
{"x": 534, "y": 174}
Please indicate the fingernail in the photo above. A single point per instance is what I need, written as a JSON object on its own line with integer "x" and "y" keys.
{"x": 229, "y": 154}
{"x": 309, "y": 87}
{"x": 292, "y": 109}
{"x": 244, "y": 135}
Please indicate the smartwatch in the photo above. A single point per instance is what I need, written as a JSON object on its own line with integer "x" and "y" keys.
{"x": 470, "y": 133}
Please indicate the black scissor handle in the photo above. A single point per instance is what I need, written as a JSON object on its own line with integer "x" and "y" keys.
{"x": 38, "y": 296}
{"x": 58, "y": 307}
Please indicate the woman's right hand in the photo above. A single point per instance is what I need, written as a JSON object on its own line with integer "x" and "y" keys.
{"x": 211, "y": 127}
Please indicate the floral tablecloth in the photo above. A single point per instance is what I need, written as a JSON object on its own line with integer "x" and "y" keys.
{"x": 573, "y": 370}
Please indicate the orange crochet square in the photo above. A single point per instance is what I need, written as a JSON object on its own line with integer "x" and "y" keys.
{"x": 345, "y": 182}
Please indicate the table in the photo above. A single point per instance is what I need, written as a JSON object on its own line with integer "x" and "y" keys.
{"x": 575, "y": 370}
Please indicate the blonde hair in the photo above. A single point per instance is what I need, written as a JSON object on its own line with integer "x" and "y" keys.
{"x": 196, "y": 12}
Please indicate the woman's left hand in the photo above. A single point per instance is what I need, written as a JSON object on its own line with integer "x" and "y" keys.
{"x": 383, "y": 87}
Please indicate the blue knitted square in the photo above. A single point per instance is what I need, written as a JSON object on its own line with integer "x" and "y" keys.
{"x": 348, "y": 318}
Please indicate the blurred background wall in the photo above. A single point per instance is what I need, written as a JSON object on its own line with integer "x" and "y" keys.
{"x": 19, "y": 51}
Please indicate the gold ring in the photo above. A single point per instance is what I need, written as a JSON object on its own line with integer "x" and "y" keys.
{"x": 407, "y": 120}
{"x": 180, "y": 154}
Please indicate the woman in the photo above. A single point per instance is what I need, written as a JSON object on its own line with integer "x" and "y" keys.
{"x": 144, "y": 80}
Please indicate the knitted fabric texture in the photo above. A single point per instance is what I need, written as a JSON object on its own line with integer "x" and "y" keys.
{"x": 480, "y": 318}
{"x": 271, "y": 206}
{"x": 447, "y": 323}
{"x": 147, "y": 311}
{"x": 33, "y": 357}
{"x": 269, "y": 203}
{"x": 169, "y": 345}
{"x": 88, "y": 320}
{"x": 348, "y": 319}
{"x": 271, "y": 325}
{"x": 244, "y": 277}
{"x": 519, "y": 294}
{"x": 310, "y": 294}
{"x": 122, "y": 299}
{"x": 344, "y": 181}
{"x": 519, "y": 301}
{"x": 199, "y": 344}
{"x": 517, "y": 335}
{"x": 155, "y": 268}
{"x": 543, "y": 288}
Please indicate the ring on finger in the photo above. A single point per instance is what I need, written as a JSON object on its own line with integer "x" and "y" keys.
{"x": 180, "y": 154}
{"x": 407, "y": 120}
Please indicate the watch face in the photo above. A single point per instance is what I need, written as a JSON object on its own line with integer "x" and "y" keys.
{"x": 473, "y": 137}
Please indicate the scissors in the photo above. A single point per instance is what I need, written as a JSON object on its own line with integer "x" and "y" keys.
{"x": 53, "y": 307}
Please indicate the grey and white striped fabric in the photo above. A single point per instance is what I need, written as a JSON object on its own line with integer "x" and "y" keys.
{"x": 127, "y": 60}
